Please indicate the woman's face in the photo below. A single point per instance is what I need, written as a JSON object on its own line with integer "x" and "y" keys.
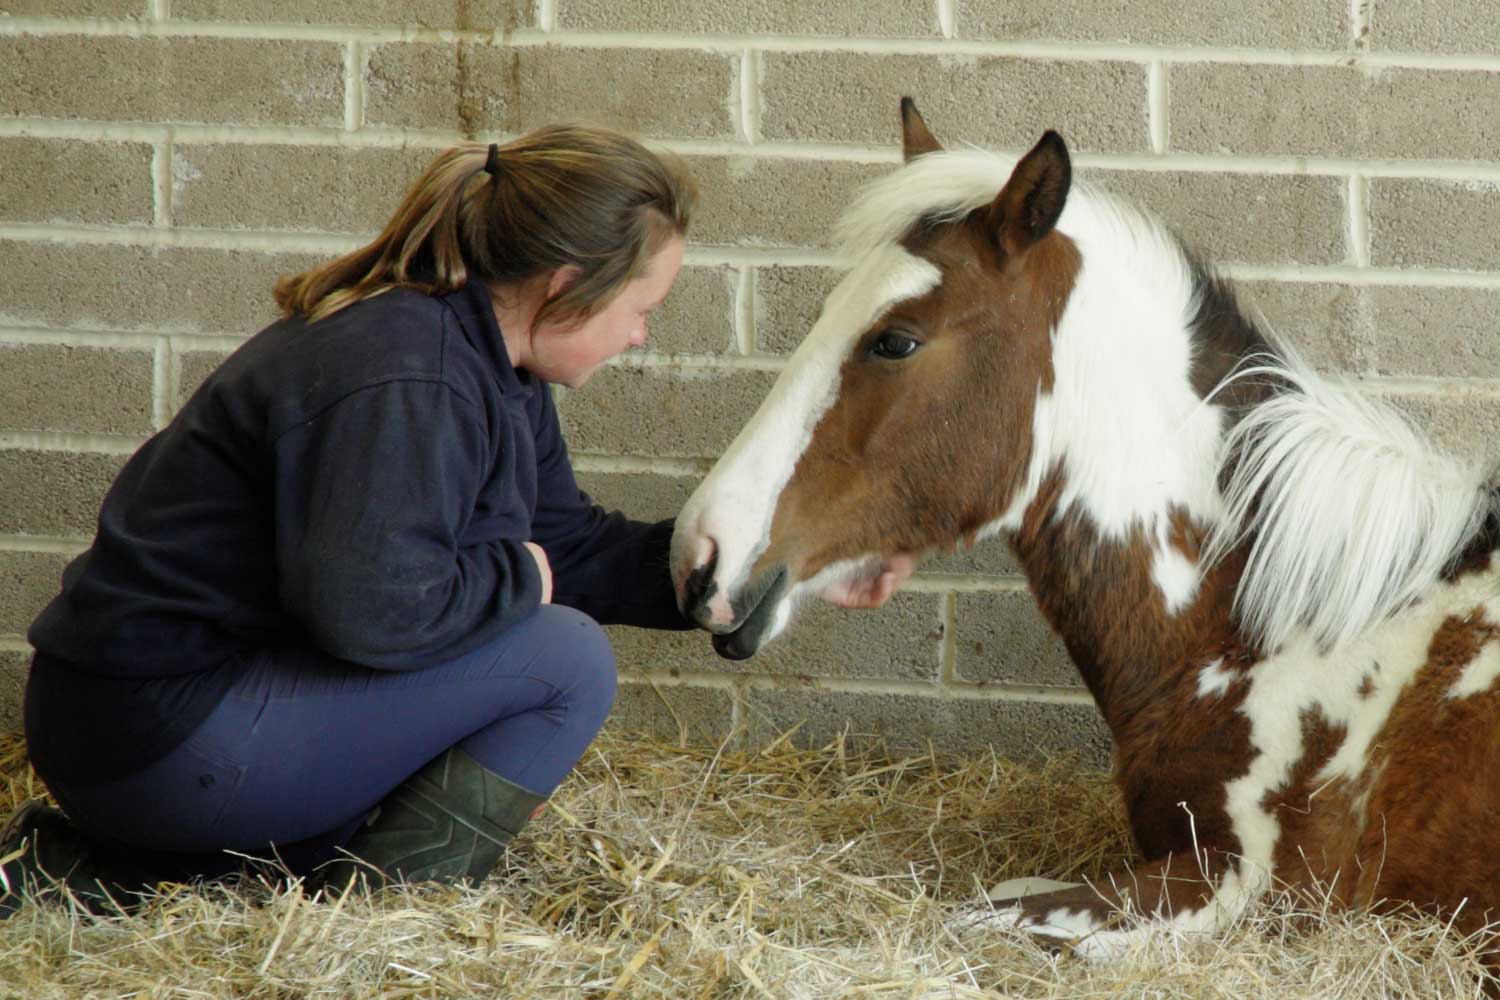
{"x": 571, "y": 356}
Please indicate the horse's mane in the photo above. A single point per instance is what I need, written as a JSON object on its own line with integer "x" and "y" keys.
{"x": 1348, "y": 510}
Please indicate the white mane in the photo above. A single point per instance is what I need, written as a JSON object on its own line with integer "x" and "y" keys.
{"x": 1349, "y": 511}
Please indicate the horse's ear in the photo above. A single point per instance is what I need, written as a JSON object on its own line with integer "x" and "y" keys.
{"x": 1028, "y": 206}
{"x": 916, "y": 137}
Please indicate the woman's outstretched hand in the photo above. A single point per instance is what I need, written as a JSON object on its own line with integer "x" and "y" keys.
{"x": 544, "y": 567}
{"x": 872, "y": 591}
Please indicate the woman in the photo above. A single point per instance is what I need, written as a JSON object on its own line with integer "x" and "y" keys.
{"x": 351, "y": 595}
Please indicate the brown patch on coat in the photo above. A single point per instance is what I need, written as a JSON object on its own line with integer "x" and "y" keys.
{"x": 1431, "y": 811}
{"x": 1183, "y": 882}
{"x": 1320, "y": 823}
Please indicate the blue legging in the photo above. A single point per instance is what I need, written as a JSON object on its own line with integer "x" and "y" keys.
{"x": 305, "y": 745}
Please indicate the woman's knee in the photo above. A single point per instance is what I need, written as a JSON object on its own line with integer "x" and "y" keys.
{"x": 583, "y": 654}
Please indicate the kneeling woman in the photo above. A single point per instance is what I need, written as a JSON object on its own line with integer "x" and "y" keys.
{"x": 350, "y": 596}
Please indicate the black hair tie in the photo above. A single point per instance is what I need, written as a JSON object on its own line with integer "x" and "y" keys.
{"x": 492, "y": 162}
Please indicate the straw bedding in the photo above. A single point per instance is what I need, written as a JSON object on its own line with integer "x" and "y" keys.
{"x": 689, "y": 872}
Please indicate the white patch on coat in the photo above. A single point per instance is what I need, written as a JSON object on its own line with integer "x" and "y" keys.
{"x": 1305, "y": 677}
{"x": 734, "y": 505}
{"x": 1214, "y": 680}
{"x": 1479, "y": 673}
{"x": 1175, "y": 576}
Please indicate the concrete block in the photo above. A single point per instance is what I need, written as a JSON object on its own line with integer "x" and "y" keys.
{"x": 51, "y": 387}
{"x": 687, "y": 716}
{"x": 901, "y": 641}
{"x": 661, "y": 412}
{"x": 873, "y": 18}
{"x": 1269, "y": 220}
{"x": 991, "y": 557}
{"x": 15, "y": 667}
{"x": 54, "y": 492}
{"x": 1002, "y": 637}
{"x": 487, "y": 15}
{"x": 642, "y": 496}
{"x": 1446, "y": 26}
{"x": 698, "y": 316}
{"x": 336, "y": 189}
{"x": 28, "y": 581}
{"x": 234, "y": 81}
{"x": 1322, "y": 321}
{"x": 123, "y": 9}
{"x": 1333, "y": 111}
{"x": 1274, "y": 24}
{"x": 910, "y": 724}
{"x": 1436, "y": 224}
{"x": 479, "y": 89}
{"x": 1458, "y": 421}
{"x": 71, "y": 182}
{"x": 192, "y": 368}
{"x": 853, "y": 97}
{"x": 788, "y": 301}
{"x": 165, "y": 290}
{"x": 1450, "y": 332}
{"x": 745, "y": 199}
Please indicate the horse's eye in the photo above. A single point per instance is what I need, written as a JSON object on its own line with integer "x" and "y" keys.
{"x": 894, "y": 346}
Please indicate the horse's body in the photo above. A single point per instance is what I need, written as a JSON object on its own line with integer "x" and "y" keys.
{"x": 1284, "y": 603}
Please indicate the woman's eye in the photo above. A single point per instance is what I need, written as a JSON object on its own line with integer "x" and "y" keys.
{"x": 894, "y": 346}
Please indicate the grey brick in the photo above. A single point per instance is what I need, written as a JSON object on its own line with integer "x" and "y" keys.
{"x": 642, "y": 496}
{"x": 991, "y": 557}
{"x": 698, "y": 316}
{"x": 67, "y": 181}
{"x": 907, "y": 723}
{"x": 1245, "y": 218}
{"x": 53, "y": 492}
{"x": 1003, "y": 637}
{"x": 688, "y": 413}
{"x": 1430, "y": 223}
{"x": 1277, "y": 24}
{"x": 487, "y": 15}
{"x": 788, "y": 301}
{"x": 853, "y": 97}
{"x": 1448, "y": 26}
{"x": 689, "y": 716}
{"x": 14, "y": 667}
{"x": 48, "y": 387}
{"x": 1459, "y": 422}
{"x": 337, "y": 189}
{"x": 1436, "y": 331}
{"x": 481, "y": 88}
{"x": 1322, "y": 321}
{"x": 130, "y": 9}
{"x": 169, "y": 290}
{"x": 192, "y": 368}
{"x": 745, "y": 199}
{"x": 212, "y": 80}
{"x": 1334, "y": 111}
{"x": 871, "y": 18}
{"x": 28, "y": 581}
{"x": 898, "y": 642}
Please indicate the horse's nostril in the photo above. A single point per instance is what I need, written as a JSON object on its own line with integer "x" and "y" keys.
{"x": 699, "y": 585}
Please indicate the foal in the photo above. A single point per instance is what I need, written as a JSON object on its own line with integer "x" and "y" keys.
{"x": 1282, "y": 600}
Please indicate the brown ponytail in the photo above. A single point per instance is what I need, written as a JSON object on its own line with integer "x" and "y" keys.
{"x": 568, "y": 194}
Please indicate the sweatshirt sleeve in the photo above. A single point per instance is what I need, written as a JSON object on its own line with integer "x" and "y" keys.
{"x": 615, "y": 570}
{"x": 372, "y": 496}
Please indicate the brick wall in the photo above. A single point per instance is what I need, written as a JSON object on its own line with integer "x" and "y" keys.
{"x": 162, "y": 160}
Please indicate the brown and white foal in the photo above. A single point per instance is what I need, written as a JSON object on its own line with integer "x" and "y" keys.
{"x": 1282, "y": 599}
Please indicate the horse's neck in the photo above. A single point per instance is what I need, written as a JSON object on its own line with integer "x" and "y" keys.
{"x": 1137, "y": 653}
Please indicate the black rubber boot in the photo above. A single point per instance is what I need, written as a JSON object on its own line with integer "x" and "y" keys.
{"x": 448, "y": 822}
{"x": 43, "y": 855}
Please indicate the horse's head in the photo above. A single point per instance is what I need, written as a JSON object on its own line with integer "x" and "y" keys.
{"x": 903, "y": 422}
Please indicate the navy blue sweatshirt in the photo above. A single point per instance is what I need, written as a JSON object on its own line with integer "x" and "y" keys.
{"x": 363, "y": 485}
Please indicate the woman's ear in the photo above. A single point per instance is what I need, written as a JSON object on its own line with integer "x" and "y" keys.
{"x": 561, "y": 279}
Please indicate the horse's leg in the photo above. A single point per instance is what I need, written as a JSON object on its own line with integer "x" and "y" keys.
{"x": 1101, "y": 919}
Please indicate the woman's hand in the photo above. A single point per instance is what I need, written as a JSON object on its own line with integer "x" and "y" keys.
{"x": 872, "y": 591}
{"x": 544, "y": 567}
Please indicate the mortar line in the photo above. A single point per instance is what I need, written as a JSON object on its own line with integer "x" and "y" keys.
{"x": 744, "y": 310}
{"x": 546, "y": 15}
{"x": 47, "y": 544}
{"x": 948, "y": 647}
{"x": 99, "y": 444}
{"x": 584, "y": 461}
{"x": 1358, "y": 199}
{"x": 947, "y": 18}
{"x": 749, "y": 96}
{"x": 161, "y": 383}
{"x": 1156, "y": 106}
{"x": 354, "y": 99}
{"x": 998, "y": 692}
